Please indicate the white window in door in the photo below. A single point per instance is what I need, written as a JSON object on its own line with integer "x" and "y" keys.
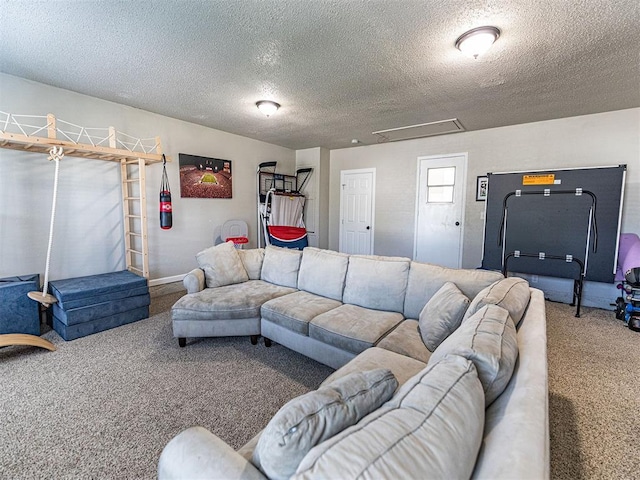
{"x": 440, "y": 210}
{"x": 440, "y": 184}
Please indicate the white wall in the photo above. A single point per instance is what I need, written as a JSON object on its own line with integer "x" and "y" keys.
{"x": 610, "y": 138}
{"x": 88, "y": 231}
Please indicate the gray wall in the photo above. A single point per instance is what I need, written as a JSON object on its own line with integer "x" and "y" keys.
{"x": 88, "y": 229}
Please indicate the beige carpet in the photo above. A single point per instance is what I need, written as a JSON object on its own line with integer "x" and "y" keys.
{"x": 594, "y": 394}
{"x": 104, "y": 406}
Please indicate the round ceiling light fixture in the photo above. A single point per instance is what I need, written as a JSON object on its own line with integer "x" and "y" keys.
{"x": 267, "y": 107}
{"x": 477, "y": 41}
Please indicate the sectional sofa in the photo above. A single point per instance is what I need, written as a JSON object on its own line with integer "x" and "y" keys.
{"x": 439, "y": 372}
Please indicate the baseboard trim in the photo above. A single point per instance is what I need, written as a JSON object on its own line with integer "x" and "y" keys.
{"x": 162, "y": 281}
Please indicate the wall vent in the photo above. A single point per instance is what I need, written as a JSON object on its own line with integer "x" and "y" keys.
{"x": 430, "y": 129}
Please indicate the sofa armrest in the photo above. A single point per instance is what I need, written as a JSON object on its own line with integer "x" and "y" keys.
{"x": 194, "y": 281}
{"x": 198, "y": 453}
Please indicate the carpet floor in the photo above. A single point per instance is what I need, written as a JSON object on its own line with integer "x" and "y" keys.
{"x": 104, "y": 406}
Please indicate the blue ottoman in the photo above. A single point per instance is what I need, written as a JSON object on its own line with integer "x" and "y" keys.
{"x": 18, "y": 313}
{"x": 96, "y": 303}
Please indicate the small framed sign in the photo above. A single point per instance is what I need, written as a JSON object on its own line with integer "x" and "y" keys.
{"x": 482, "y": 188}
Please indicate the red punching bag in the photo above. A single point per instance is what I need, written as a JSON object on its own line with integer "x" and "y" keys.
{"x": 166, "y": 215}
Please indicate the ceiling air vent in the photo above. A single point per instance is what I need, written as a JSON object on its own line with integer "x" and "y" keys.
{"x": 430, "y": 129}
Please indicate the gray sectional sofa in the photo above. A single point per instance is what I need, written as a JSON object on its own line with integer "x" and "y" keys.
{"x": 441, "y": 373}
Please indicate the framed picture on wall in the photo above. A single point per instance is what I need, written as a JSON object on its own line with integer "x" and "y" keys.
{"x": 482, "y": 187}
{"x": 203, "y": 177}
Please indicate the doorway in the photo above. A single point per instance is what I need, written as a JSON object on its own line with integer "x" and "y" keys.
{"x": 357, "y": 204}
{"x": 440, "y": 209}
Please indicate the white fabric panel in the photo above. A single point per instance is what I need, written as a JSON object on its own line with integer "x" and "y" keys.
{"x": 286, "y": 211}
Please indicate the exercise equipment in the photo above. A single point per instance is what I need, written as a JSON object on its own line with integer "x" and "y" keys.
{"x": 628, "y": 273}
{"x": 166, "y": 210}
{"x": 281, "y": 207}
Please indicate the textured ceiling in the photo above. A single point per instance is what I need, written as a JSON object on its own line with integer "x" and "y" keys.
{"x": 340, "y": 68}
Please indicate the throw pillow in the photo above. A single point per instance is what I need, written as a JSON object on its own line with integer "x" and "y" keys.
{"x": 442, "y": 315}
{"x": 316, "y": 416}
{"x": 510, "y": 293}
{"x": 280, "y": 266}
{"x": 431, "y": 428}
{"x": 488, "y": 338}
{"x": 252, "y": 260}
{"x": 222, "y": 265}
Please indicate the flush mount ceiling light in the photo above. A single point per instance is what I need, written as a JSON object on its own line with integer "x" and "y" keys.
{"x": 267, "y": 107}
{"x": 477, "y": 41}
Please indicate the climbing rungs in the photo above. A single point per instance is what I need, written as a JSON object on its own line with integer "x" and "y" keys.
{"x": 134, "y": 234}
{"x": 133, "y": 269}
{"x": 133, "y": 216}
{"x": 131, "y": 180}
{"x": 131, "y": 250}
{"x": 132, "y": 198}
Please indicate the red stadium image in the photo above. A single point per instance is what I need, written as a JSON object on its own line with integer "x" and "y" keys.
{"x": 203, "y": 177}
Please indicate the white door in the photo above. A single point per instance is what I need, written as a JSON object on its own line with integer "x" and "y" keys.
{"x": 440, "y": 210}
{"x": 357, "y": 194}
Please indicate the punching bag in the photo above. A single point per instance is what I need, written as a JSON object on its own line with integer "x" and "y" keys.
{"x": 166, "y": 215}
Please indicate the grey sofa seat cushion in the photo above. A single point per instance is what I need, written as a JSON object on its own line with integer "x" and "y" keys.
{"x": 242, "y": 300}
{"x": 431, "y": 428}
{"x": 352, "y": 328}
{"x": 442, "y": 315}
{"x": 314, "y": 417}
{"x": 296, "y": 310}
{"x": 426, "y": 279}
{"x": 280, "y": 266}
{"x": 487, "y": 338}
{"x": 511, "y": 293}
{"x": 405, "y": 339}
{"x": 323, "y": 272}
{"x": 403, "y": 367}
{"x": 375, "y": 282}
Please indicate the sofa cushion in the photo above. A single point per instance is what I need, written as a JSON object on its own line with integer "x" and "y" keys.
{"x": 426, "y": 279}
{"x": 405, "y": 339}
{"x": 323, "y": 272}
{"x": 488, "y": 339}
{"x": 222, "y": 265}
{"x": 511, "y": 293}
{"x": 229, "y": 302}
{"x": 376, "y": 282}
{"x": 252, "y": 261}
{"x": 442, "y": 315}
{"x": 296, "y": 310}
{"x": 352, "y": 328}
{"x": 431, "y": 428}
{"x": 403, "y": 367}
{"x": 280, "y": 266}
{"x": 310, "y": 419}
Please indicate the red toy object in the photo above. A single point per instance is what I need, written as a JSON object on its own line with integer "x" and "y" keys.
{"x": 237, "y": 241}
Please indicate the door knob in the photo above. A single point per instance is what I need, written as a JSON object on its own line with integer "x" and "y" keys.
{"x": 457, "y": 224}
{"x": 368, "y": 227}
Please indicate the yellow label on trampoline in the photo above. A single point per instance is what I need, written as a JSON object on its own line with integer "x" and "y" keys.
{"x": 544, "y": 179}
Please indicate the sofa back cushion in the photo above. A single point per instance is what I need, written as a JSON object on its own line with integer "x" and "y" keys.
{"x": 252, "y": 260}
{"x": 431, "y": 428}
{"x": 375, "y": 282}
{"x": 511, "y": 293}
{"x": 323, "y": 272}
{"x": 222, "y": 265}
{"x": 487, "y": 338}
{"x": 314, "y": 417}
{"x": 442, "y": 315}
{"x": 280, "y": 266}
{"x": 426, "y": 279}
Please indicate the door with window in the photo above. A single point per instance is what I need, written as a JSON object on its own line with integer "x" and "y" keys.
{"x": 357, "y": 200}
{"x": 440, "y": 210}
